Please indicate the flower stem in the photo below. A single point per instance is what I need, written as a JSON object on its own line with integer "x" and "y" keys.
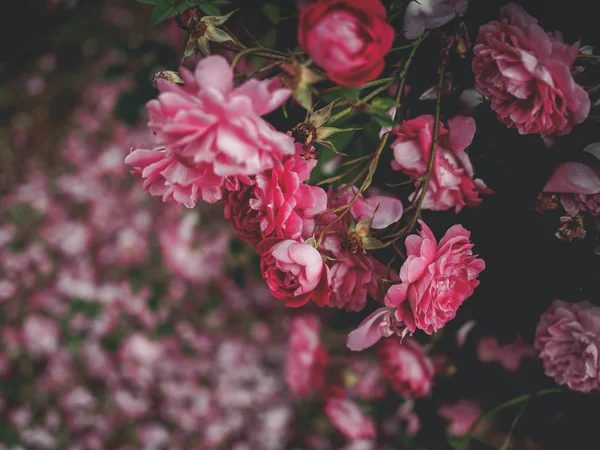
{"x": 432, "y": 153}
{"x": 258, "y": 51}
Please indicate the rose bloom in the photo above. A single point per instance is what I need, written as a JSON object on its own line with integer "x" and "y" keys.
{"x": 451, "y": 184}
{"x": 295, "y": 272}
{"x": 347, "y": 38}
{"x": 306, "y": 359}
{"x": 286, "y": 204}
{"x": 436, "y": 278}
{"x": 568, "y": 339}
{"x": 407, "y": 367}
{"x": 525, "y": 72}
{"x": 244, "y": 220}
{"x": 210, "y": 131}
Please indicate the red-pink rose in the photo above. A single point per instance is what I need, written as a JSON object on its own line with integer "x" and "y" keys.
{"x": 347, "y": 38}
{"x": 451, "y": 184}
{"x": 286, "y": 204}
{"x": 578, "y": 185}
{"x": 295, "y": 272}
{"x": 407, "y": 367}
{"x": 568, "y": 339}
{"x": 244, "y": 220}
{"x": 306, "y": 359}
{"x": 526, "y": 74}
{"x": 436, "y": 278}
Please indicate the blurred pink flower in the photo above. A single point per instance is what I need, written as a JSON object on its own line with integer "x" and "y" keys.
{"x": 348, "y": 418}
{"x": 568, "y": 339}
{"x": 508, "y": 356}
{"x": 306, "y": 358}
{"x": 421, "y": 15}
{"x": 407, "y": 367}
{"x": 461, "y": 416}
{"x": 41, "y": 335}
{"x": 380, "y": 323}
{"x": 451, "y": 184}
{"x": 294, "y": 272}
{"x": 436, "y": 278}
{"x": 183, "y": 257}
{"x": 526, "y": 74}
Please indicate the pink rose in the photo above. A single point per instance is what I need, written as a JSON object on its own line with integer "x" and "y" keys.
{"x": 451, "y": 184}
{"x": 347, "y": 417}
{"x": 526, "y": 74}
{"x": 579, "y": 187}
{"x": 461, "y": 416}
{"x": 436, "y": 278}
{"x": 508, "y": 356}
{"x": 380, "y": 323}
{"x": 355, "y": 273}
{"x": 165, "y": 175}
{"x": 568, "y": 339}
{"x": 211, "y": 130}
{"x": 347, "y": 38}
{"x": 41, "y": 335}
{"x": 421, "y": 15}
{"x": 286, "y": 204}
{"x": 294, "y": 272}
{"x": 407, "y": 367}
{"x": 306, "y": 359}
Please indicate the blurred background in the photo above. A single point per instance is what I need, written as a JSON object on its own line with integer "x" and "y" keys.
{"x": 128, "y": 323}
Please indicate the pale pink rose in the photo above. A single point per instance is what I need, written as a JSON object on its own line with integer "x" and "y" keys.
{"x": 384, "y": 210}
{"x": 451, "y": 184}
{"x": 380, "y": 323}
{"x": 346, "y": 416}
{"x": 306, "y": 358}
{"x": 166, "y": 175}
{"x": 579, "y": 187}
{"x": 295, "y": 272}
{"x": 41, "y": 335}
{"x": 198, "y": 264}
{"x": 508, "y": 356}
{"x": 408, "y": 368}
{"x": 568, "y": 339}
{"x": 460, "y": 415}
{"x": 287, "y": 205}
{"x": 436, "y": 278}
{"x": 244, "y": 220}
{"x": 525, "y": 72}
{"x": 211, "y": 131}
{"x": 421, "y": 15}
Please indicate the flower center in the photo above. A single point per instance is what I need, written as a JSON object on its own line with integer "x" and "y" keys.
{"x": 304, "y": 133}
{"x": 353, "y": 243}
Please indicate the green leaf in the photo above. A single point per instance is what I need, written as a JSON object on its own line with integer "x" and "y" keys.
{"x": 384, "y": 103}
{"x": 210, "y": 10}
{"x": 382, "y": 119}
{"x": 162, "y": 12}
{"x": 270, "y": 38}
{"x": 350, "y": 93}
{"x": 271, "y": 12}
{"x": 88, "y": 308}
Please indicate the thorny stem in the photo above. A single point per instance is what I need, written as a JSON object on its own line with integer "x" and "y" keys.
{"x": 593, "y": 89}
{"x": 364, "y": 86}
{"x": 257, "y": 51}
{"x": 432, "y": 153}
{"x": 374, "y": 158}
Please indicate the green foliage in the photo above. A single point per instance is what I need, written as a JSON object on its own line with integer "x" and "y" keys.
{"x": 88, "y": 308}
{"x": 351, "y": 93}
{"x": 271, "y": 12}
